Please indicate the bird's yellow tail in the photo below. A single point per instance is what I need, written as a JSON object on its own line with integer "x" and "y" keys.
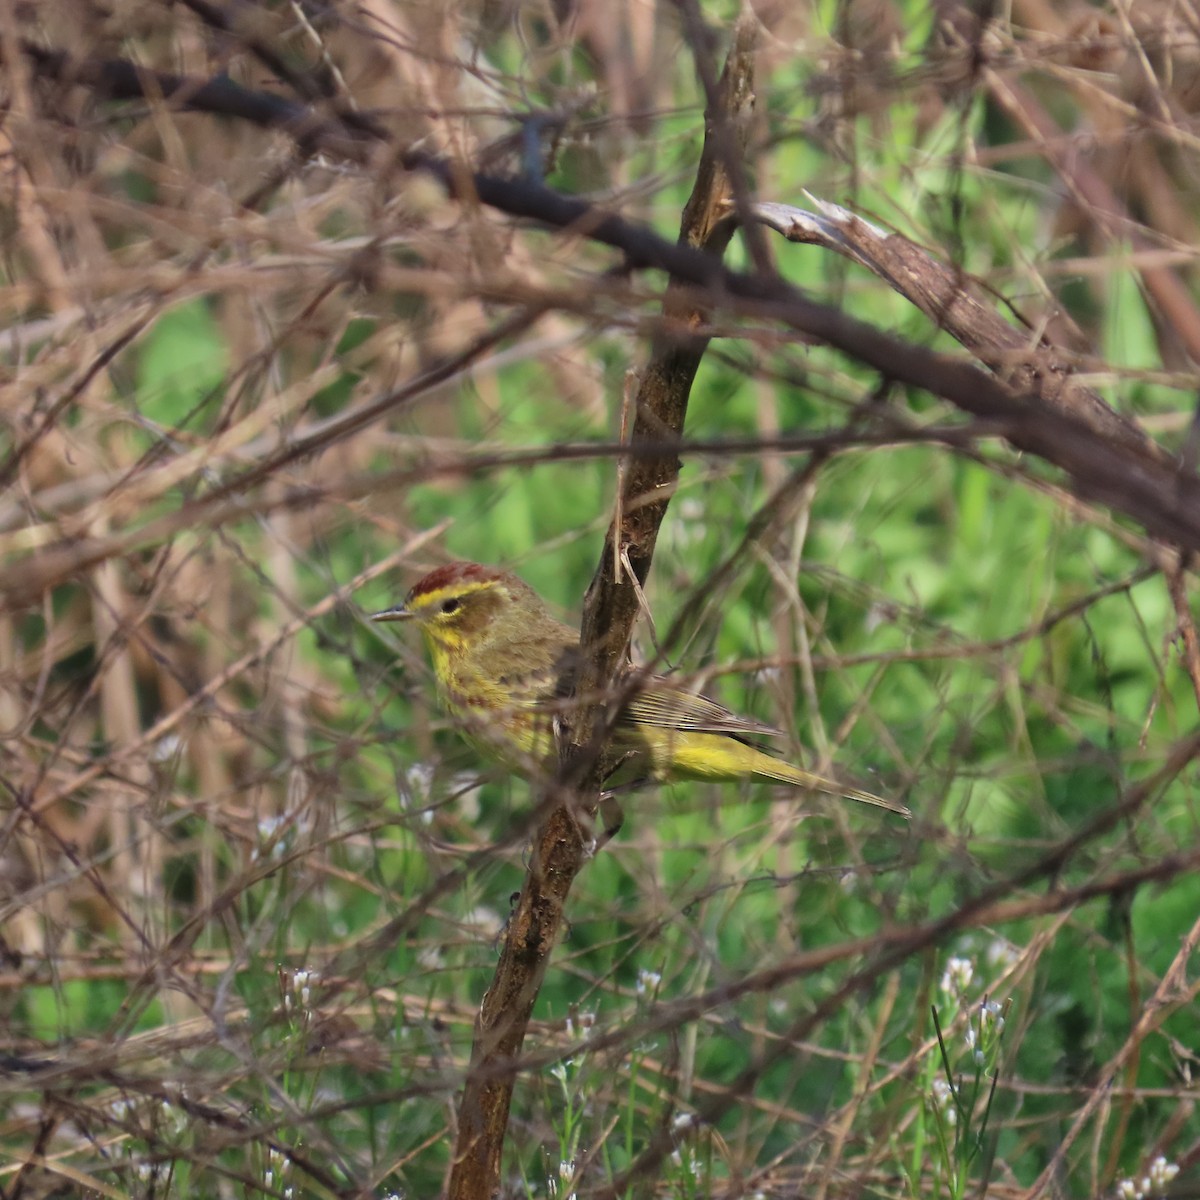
{"x": 772, "y": 768}
{"x": 697, "y": 755}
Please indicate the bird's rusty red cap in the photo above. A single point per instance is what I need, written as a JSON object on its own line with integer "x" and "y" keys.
{"x": 451, "y": 574}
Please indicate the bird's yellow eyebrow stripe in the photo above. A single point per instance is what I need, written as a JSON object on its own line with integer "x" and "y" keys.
{"x": 456, "y": 590}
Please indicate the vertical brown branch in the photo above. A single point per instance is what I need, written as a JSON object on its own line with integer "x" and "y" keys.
{"x": 609, "y": 613}
{"x": 1185, "y": 628}
{"x": 661, "y": 402}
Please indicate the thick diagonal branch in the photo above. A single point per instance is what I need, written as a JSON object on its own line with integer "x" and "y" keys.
{"x": 1140, "y": 481}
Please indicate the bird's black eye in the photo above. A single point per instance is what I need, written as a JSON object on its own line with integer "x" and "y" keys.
{"x": 451, "y": 605}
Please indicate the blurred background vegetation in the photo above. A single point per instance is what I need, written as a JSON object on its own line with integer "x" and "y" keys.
{"x": 252, "y": 880}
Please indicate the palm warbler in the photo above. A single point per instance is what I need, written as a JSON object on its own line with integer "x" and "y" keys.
{"x": 504, "y": 665}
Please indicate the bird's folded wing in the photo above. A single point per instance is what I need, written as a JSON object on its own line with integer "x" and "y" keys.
{"x": 673, "y": 708}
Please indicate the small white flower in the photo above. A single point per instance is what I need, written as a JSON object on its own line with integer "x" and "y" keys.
{"x": 990, "y": 1014}
{"x": 943, "y": 1098}
{"x": 1162, "y": 1172}
{"x": 298, "y": 991}
{"x": 268, "y": 827}
{"x": 1001, "y": 953}
{"x": 957, "y": 976}
{"x": 487, "y": 921}
{"x": 418, "y": 779}
{"x": 273, "y": 833}
{"x": 648, "y": 981}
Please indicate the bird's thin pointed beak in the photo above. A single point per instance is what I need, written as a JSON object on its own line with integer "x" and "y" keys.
{"x": 399, "y": 613}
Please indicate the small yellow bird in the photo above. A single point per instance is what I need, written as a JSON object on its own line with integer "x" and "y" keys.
{"x": 504, "y": 665}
